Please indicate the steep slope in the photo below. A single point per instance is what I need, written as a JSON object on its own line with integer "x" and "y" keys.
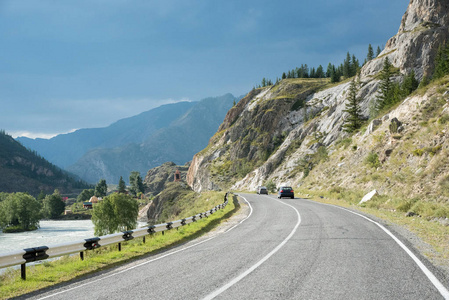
{"x": 408, "y": 163}
{"x": 65, "y": 149}
{"x": 159, "y": 177}
{"x": 176, "y": 141}
{"x": 423, "y": 28}
{"x": 24, "y": 171}
{"x": 268, "y": 136}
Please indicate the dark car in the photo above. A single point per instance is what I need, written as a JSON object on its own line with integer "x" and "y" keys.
{"x": 286, "y": 191}
{"x": 262, "y": 190}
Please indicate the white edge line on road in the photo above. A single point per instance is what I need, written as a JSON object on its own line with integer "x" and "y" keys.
{"x": 149, "y": 261}
{"x": 260, "y": 262}
{"x": 440, "y": 287}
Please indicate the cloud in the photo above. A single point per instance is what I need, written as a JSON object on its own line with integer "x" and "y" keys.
{"x": 35, "y": 135}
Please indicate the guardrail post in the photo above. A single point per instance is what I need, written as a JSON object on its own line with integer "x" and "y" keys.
{"x": 82, "y": 255}
{"x": 23, "y": 271}
{"x": 119, "y": 246}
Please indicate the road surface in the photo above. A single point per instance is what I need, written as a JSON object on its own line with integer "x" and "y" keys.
{"x": 283, "y": 249}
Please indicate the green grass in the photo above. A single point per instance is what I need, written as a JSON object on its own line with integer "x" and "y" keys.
{"x": 68, "y": 268}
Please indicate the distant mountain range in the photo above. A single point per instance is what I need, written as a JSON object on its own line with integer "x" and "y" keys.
{"x": 22, "y": 170}
{"x": 172, "y": 132}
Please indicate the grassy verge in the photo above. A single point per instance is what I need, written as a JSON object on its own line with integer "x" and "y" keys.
{"x": 66, "y": 268}
{"x": 428, "y": 230}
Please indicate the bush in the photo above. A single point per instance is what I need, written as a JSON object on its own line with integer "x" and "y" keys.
{"x": 372, "y": 160}
{"x": 444, "y": 119}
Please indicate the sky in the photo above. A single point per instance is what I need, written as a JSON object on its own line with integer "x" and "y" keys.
{"x": 72, "y": 64}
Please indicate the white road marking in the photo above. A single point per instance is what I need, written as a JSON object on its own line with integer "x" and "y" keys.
{"x": 260, "y": 262}
{"x": 149, "y": 261}
{"x": 440, "y": 287}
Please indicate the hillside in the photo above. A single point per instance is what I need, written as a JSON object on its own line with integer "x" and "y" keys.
{"x": 22, "y": 170}
{"x": 291, "y": 133}
{"x": 275, "y": 131}
{"x": 159, "y": 177}
{"x": 402, "y": 152}
{"x": 172, "y": 132}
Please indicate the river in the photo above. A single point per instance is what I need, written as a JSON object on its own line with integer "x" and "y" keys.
{"x": 50, "y": 233}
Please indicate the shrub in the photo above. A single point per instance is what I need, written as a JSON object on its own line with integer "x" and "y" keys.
{"x": 372, "y": 160}
{"x": 444, "y": 119}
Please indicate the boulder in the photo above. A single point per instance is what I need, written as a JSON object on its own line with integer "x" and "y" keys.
{"x": 369, "y": 196}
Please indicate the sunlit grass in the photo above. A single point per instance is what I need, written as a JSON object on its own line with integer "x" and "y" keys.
{"x": 70, "y": 267}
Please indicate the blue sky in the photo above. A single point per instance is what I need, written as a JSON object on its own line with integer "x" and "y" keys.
{"x": 69, "y": 64}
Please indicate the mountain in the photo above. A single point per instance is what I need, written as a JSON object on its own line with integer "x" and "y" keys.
{"x": 22, "y": 170}
{"x": 172, "y": 132}
{"x": 66, "y": 149}
{"x": 292, "y": 132}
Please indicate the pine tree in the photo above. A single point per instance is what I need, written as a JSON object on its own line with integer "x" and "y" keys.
{"x": 121, "y": 182}
{"x": 370, "y": 54}
{"x": 101, "y": 188}
{"x": 355, "y": 66}
{"x": 329, "y": 69}
{"x": 335, "y": 75}
{"x": 319, "y": 72}
{"x": 136, "y": 184}
{"x": 347, "y": 66}
{"x": 441, "y": 62}
{"x": 354, "y": 119}
{"x": 385, "y": 86}
{"x": 378, "y": 51}
{"x": 409, "y": 84}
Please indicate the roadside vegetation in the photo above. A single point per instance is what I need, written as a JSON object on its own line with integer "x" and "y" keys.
{"x": 50, "y": 273}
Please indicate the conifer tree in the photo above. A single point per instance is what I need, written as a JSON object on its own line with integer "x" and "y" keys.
{"x": 409, "y": 84}
{"x": 385, "y": 86}
{"x": 329, "y": 70}
{"x": 136, "y": 184}
{"x": 101, "y": 188}
{"x": 354, "y": 118}
{"x": 441, "y": 62}
{"x": 355, "y": 66}
{"x": 347, "y": 66}
{"x": 319, "y": 72}
{"x": 335, "y": 75}
{"x": 121, "y": 182}
{"x": 378, "y": 51}
{"x": 370, "y": 54}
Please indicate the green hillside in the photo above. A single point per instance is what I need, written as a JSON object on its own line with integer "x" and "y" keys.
{"x": 22, "y": 170}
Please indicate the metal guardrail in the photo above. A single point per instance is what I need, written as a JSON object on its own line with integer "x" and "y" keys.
{"x": 27, "y": 255}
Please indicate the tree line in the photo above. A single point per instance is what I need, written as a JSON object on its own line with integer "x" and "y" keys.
{"x": 348, "y": 68}
{"x": 22, "y": 212}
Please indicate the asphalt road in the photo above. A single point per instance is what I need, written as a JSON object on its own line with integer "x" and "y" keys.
{"x": 284, "y": 249}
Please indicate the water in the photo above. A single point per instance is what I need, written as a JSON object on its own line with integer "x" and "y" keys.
{"x": 50, "y": 233}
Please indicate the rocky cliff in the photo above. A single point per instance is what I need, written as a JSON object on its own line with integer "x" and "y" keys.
{"x": 274, "y": 131}
{"x": 424, "y": 27}
{"x": 158, "y": 178}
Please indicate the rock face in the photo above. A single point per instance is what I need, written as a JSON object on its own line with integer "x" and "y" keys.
{"x": 158, "y": 178}
{"x": 275, "y": 132}
{"x": 423, "y": 28}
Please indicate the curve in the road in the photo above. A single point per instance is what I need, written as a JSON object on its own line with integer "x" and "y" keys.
{"x": 260, "y": 262}
{"x": 147, "y": 262}
{"x": 439, "y": 286}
